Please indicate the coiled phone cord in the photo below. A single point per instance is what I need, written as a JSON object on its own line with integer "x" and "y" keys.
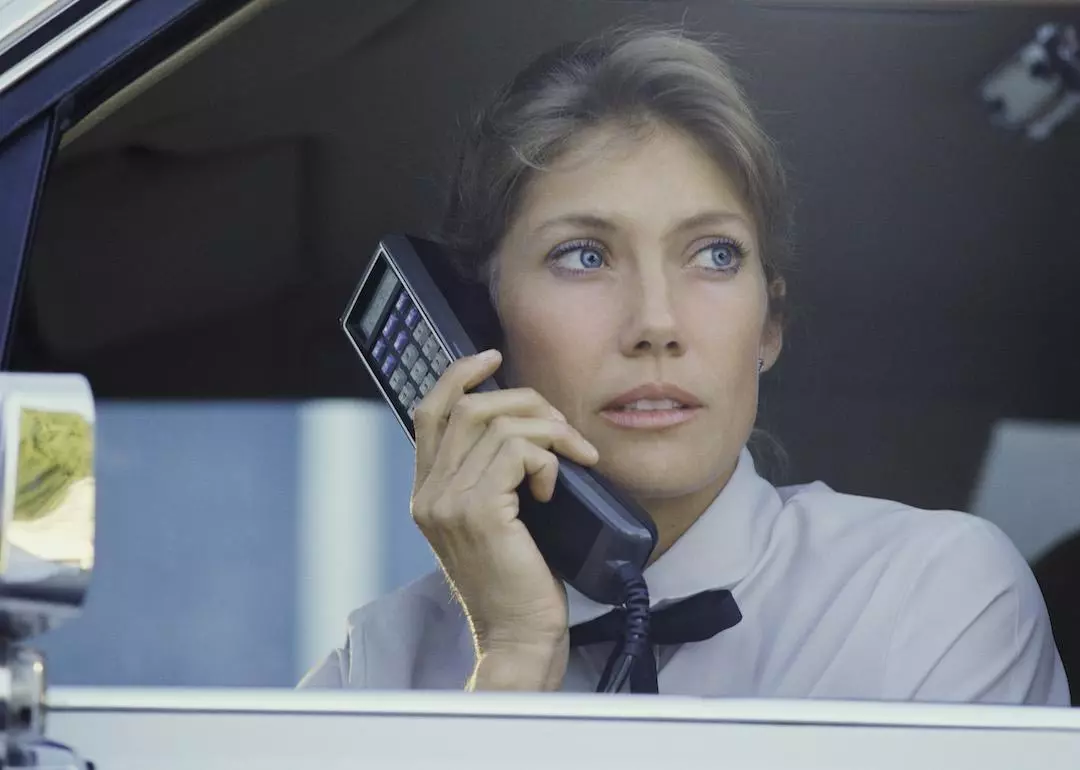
{"x": 635, "y": 643}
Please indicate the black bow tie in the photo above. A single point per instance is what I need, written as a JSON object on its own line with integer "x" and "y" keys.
{"x": 693, "y": 619}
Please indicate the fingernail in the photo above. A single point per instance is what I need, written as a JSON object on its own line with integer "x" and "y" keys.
{"x": 489, "y": 355}
{"x": 558, "y": 415}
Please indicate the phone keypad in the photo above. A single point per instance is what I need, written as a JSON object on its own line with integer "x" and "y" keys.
{"x": 408, "y": 354}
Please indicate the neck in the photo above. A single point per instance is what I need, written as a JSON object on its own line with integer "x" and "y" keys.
{"x": 675, "y": 515}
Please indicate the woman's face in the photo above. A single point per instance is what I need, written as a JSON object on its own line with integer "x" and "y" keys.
{"x": 633, "y": 298}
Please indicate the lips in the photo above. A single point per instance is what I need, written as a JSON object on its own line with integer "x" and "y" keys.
{"x": 654, "y": 396}
{"x": 652, "y": 407}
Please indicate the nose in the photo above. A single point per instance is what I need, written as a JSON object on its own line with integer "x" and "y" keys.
{"x": 651, "y": 326}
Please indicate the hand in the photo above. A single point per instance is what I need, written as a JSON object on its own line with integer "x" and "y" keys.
{"x": 473, "y": 450}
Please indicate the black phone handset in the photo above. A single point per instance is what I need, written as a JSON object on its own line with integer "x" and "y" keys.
{"x": 409, "y": 317}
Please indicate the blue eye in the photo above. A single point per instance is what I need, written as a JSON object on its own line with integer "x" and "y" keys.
{"x": 591, "y": 258}
{"x": 579, "y": 257}
{"x": 723, "y": 255}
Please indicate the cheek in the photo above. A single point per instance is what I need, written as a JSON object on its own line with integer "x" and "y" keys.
{"x": 552, "y": 341}
{"x": 726, "y": 333}
{"x": 727, "y": 318}
{"x": 737, "y": 338}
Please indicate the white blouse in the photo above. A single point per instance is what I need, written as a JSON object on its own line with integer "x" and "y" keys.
{"x": 842, "y": 597}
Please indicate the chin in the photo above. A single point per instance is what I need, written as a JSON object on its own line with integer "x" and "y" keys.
{"x": 662, "y": 474}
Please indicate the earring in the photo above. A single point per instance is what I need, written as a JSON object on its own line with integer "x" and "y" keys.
{"x": 760, "y": 365}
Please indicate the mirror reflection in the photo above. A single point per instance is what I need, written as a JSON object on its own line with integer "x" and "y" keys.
{"x": 53, "y": 511}
{"x": 793, "y": 281}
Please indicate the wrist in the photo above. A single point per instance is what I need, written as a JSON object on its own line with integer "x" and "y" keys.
{"x": 532, "y": 667}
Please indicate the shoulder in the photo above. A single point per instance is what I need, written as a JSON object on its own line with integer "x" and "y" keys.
{"x": 413, "y": 637}
{"x": 917, "y": 533}
{"x": 918, "y": 558}
{"x": 425, "y": 600}
{"x": 961, "y": 613}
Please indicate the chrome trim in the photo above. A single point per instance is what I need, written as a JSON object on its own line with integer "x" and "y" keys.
{"x": 25, "y": 66}
{"x": 586, "y": 706}
{"x": 14, "y": 33}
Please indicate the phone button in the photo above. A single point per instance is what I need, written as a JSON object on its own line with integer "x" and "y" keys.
{"x": 440, "y": 363}
{"x": 412, "y": 317}
{"x": 427, "y": 384}
{"x": 398, "y": 379}
{"x": 423, "y": 332}
{"x": 419, "y": 370}
{"x": 388, "y": 365}
{"x": 391, "y": 326}
{"x": 408, "y": 358}
{"x": 431, "y": 347}
{"x": 408, "y": 393}
{"x": 378, "y": 349}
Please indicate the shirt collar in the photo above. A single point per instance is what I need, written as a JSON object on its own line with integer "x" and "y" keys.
{"x": 717, "y": 551}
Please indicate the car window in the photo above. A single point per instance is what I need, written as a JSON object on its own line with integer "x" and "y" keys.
{"x": 219, "y": 210}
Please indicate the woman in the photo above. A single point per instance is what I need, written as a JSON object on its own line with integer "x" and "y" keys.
{"x": 627, "y": 211}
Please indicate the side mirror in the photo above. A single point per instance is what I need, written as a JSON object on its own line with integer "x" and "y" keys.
{"x": 47, "y": 524}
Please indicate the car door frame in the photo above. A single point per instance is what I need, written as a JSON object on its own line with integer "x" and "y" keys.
{"x": 91, "y": 62}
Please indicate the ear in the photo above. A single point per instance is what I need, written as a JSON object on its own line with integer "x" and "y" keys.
{"x": 772, "y": 336}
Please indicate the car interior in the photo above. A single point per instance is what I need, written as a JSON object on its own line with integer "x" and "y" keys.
{"x": 202, "y": 229}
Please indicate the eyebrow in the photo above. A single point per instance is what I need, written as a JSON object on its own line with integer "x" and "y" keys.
{"x": 712, "y": 218}
{"x": 590, "y": 221}
{"x": 604, "y": 224}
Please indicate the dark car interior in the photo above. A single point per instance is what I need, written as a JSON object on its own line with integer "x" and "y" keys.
{"x": 201, "y": 230}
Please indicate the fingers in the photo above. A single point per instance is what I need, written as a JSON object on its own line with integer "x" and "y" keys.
{"x": 486, "y": 462}
{"x": 433, "y": 412}
{"x": 473, "y": 413}
{"x": 520, "y": 458}
{"x": 456, "y": 420}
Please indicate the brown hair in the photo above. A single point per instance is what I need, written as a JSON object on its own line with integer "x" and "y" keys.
{"x": 630, "y": 75}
